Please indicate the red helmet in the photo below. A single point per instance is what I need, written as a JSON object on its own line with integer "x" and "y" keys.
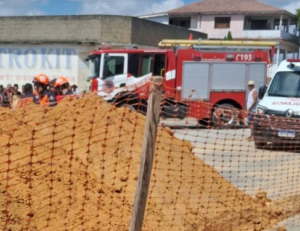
{"x": 41, "y": 78}
{"x": 61, "y": 81}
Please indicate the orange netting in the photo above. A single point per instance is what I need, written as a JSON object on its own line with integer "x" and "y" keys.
{"x": 75, "y": 167}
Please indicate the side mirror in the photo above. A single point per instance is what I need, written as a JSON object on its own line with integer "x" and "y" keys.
{"x": 262, "y": 91}
{"x": 87, "y": 58}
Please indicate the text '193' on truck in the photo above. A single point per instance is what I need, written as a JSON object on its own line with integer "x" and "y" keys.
{"x": 278, "y": 112}
{"x": 205, "y": 80}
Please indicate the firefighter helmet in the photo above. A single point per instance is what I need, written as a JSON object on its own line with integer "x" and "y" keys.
{"x": 61, "y": 81}
{"x": 41, "y": 78}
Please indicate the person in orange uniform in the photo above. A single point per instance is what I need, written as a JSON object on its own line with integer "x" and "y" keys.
{"x": 62, "y": 87}
{"x": 28, "y": 96}
{"x": 46, "y": 97}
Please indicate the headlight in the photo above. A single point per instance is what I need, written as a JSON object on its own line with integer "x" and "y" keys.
{"x": 261, "y": 110}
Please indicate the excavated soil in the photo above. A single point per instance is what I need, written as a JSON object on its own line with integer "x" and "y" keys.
{"x": 74, "y": 167}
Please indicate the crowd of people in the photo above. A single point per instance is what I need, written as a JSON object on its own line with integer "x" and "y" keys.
{"x": 41, "y": 91}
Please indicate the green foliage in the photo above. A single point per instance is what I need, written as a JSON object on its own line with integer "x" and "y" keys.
{"x": 298, "y": 18}
{"x": 229, "y": 36}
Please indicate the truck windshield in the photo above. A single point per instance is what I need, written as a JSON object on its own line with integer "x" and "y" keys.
{"x": 285, "y": 84}
{"x": 94, "y": 66}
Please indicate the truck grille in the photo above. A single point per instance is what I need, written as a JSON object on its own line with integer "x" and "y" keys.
{"x": 283, "y": 123}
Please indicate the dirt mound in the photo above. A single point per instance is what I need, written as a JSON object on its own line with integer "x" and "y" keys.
{"x": 74, "y": 167}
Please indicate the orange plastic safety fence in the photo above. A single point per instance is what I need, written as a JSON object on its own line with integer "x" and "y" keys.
{"x": 75, "y": 166}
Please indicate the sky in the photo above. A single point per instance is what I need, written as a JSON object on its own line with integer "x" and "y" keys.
{"x": 116, "y": 7}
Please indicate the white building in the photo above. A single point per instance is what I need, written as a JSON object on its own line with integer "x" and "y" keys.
{"x": 245, "y": 19}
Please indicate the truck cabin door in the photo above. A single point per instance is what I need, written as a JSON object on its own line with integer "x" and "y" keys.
{"x": 153, "y": 63}
{"x": 147, "y": 64}
{"x": 113, "y": 71}
{"x": 169, "y": 74}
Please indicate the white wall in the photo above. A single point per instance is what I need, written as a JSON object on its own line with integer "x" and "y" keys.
{"x": 194, "y": 22}
{"x": 20, "y": 63}
{"x": 262, "y": 34}
{"x": 207, "y": 25}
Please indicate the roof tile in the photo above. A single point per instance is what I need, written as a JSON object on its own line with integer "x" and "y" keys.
{"x": 226, "y": 6}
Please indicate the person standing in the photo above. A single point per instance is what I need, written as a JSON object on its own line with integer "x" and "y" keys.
{"x": 15, "y": 97}
{"x": 74, "y": 89}
{"x": 7, "y": 95}
{"x": 28, "y": 96}
{"x": 62, "y": 87}
{"x": 252, "y": 103}
{"x": 23, "y": 90}
{"x": 8, "y": 89}
{"x": 2, "y": 96}
{"x": 46, "y": 97}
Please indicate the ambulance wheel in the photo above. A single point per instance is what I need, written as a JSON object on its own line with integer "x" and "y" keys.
{"x": 259, "y": 144}
{"x": 225, "y": 115}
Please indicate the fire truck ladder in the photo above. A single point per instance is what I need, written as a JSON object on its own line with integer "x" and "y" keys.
{"x": 219, "y": 44}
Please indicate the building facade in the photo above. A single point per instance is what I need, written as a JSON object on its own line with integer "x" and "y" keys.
{"x": 59, "y": 45}
{"x": 245, "y": 19}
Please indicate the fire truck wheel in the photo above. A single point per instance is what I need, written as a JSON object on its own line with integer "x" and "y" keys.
{"x": 225, "y": 115}
{"x": 205, "y": 123}
{"x": 128, "y": 106}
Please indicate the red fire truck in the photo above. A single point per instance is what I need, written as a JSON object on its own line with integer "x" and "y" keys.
{"x": 201, "y": 78}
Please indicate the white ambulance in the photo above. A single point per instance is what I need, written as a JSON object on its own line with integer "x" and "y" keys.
{"x": 278, "y": 113}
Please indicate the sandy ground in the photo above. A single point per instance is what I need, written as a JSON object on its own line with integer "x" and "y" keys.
{"x": 274, "y": 170}
{"x": 75, "y": 167}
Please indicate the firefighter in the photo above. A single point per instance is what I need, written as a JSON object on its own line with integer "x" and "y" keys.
{"x": 28, "y": 96}
{"x": 62, "y": 88}
{"x": 46, "y": 97}
{"x": 52, "y": 88}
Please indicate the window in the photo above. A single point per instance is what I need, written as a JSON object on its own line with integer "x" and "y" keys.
{"x": 94, "y": 66}
{"x": 159, "y": 64}
{"x": 114, "y": 65}
{"x": 284, "y": 25}
{"x": 146, "y": 65}
{"x": 222, "y": 22}
{"x": 181, "y": 22}
{"x": 259, "y": 25}
{"x": 285, "y": 84}
{"x": 133, "y": 64}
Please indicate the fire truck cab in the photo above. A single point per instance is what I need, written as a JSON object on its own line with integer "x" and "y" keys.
{"x": 116, "y": 69}
{"x": 202, "y": 79}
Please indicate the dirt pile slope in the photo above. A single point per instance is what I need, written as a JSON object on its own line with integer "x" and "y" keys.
{"x": 74, "y": 167}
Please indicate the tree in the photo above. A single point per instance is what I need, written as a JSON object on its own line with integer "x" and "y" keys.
{"x": 229, "y": 36}
{"x": 298, "y": 18}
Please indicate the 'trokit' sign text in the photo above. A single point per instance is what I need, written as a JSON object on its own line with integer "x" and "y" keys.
{"x": 43, "y": 58}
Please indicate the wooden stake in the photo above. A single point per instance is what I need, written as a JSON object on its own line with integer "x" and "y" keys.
{"x": 153, "y": 111}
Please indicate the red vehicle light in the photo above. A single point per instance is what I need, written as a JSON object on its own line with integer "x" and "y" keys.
{"x": 197, "y": 57}
{"x": 128, "y": 75}
{"x": 257, "y": 57}
{"x": 229, "y": 57}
